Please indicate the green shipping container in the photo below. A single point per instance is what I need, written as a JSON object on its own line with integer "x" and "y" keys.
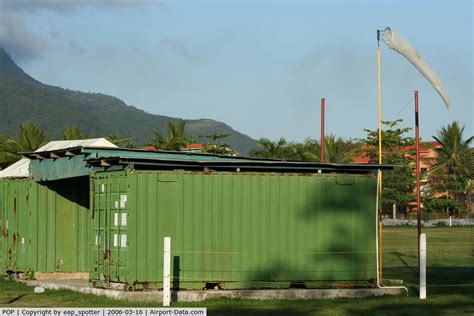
{"x": 44, "y": 225}
{"x": 233, "y": 229}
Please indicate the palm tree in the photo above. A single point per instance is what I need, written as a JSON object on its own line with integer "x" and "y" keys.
{"x": 31, "y": 138}
{"x": 175, "y": 130}
{"x": 74, "y": 132}
{"x": 271, "y": 149}
{"x": 453, "y": 172}
{"x": 311, "y": 150}
{"x": 337, "y": 150}
{"x": 454, "y": 157}
{"x": 8, "y": 151}
{"x": 176, "y": 138}
{"x": 124, "y": 142}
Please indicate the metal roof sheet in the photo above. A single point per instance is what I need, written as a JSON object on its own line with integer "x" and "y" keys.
{"x": 81, "y": 161}
{"x": 21, "y": 168}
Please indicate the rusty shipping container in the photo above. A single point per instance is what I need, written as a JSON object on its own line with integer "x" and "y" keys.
{"x": 44, "y": 225}
{"x": 233, "y": 230}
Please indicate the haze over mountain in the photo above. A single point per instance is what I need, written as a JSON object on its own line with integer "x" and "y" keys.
{"x": 23, "y": 98}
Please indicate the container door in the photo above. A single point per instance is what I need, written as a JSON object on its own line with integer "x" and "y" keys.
{"x": 110, "y": 218}
{"x": 101, "y": 247}
{"x": 118, "y": 227}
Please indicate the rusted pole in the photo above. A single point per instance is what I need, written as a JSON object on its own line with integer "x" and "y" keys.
{"x": 322, "y": 129}
{"x": 417, "y": 142}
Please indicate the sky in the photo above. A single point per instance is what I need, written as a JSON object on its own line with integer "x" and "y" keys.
{"x": 259, "y": 66}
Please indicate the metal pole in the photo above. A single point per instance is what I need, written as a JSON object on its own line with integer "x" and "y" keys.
{"x": 379, "y": 103}
{"x": 322, "y": 129}
{"x": 417, "y": 142}
{"x": 422, "y": 241}
{"x": 167, "y": 271}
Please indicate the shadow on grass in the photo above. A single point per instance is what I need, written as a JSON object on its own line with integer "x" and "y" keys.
{"x": 400, "y": 256}
{"x": 440, "y": 305}
{"x": 440, "y": 280}
{"x": 241, "y": 310}
{"x": 460, "y": 306}
{"x": 13, "y": 300}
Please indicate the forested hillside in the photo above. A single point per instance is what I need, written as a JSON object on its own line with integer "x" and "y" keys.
{"x": 22, "y": 98}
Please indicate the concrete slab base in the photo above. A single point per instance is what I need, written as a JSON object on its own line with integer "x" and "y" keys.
{"x": 62, "y": 276}
{"x": 198, "y": 296}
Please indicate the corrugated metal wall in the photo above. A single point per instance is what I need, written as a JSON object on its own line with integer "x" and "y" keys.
{"x": 45, "y": 226}
{"x": 241, "y": 230}
{"x": 14, "y": 223}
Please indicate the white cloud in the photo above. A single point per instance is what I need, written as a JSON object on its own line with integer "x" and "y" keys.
{"x": 24, "y": 44}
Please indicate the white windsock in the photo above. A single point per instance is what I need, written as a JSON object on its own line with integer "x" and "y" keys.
{"x": 396, "y": 42}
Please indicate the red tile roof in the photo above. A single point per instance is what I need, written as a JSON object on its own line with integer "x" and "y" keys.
{"x": 151, "y": 148}
{"x": 427, "y": 150}
{"x": 194, "y": 146}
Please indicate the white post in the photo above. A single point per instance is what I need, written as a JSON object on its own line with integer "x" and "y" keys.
{"x": 422, "y": 266}
{"x": 167, "y": 271}
{"x": 450, "y": 221}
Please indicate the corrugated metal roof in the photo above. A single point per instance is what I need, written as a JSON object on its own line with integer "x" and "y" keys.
{"x": 81, "y": 161}
{"x": 21, "y": 168}
{"x": 238, "y": 165}
{"x": 64, "y": 144}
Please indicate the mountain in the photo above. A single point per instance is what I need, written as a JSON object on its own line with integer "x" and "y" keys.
{"x": 23, "y": 98}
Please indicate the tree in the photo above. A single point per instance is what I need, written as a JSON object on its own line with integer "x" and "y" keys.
{"x": 8, "y": 151}
{"x": 271, "y": 149}
{"x": 176, "y": 130}
{"x": 454, "y": 156}
{"x": 309, "y": 149}
{"x": 30, "y": 138}
{"x": 337, "y": 150}
{"x": 215, "y": 147}
{"x": 398, "y": 184}
{"x": 124, "y": 142}
{"x": 175, "y": 140}
{"x": 451, "y": 176}
{"x": 73, "y": 133}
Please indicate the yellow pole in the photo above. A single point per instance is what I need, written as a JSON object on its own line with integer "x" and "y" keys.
{"x": 380, "y": 156}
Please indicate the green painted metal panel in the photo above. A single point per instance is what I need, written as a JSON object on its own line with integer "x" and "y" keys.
{"x": 46, "y": 226}
{"x": 2, "y": 229}
{"x": 76, "y": 166}
{"x": 110, "y": 219}
{"x": 14, "y": 235}
{"x": 59, "y": 168}
{"x": 237, "y": 230}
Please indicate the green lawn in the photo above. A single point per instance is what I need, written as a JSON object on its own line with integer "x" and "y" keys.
{"x": 450, "y": 257}
{"x": 450, "y": 285}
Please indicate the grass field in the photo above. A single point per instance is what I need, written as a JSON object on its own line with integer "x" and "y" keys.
{"x": 450, "y": 257}
{"x": 450, "y": 284}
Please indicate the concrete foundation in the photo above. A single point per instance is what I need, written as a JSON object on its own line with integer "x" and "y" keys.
{"x": 62, "y": 276}
{"x": 198, "y": 296}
